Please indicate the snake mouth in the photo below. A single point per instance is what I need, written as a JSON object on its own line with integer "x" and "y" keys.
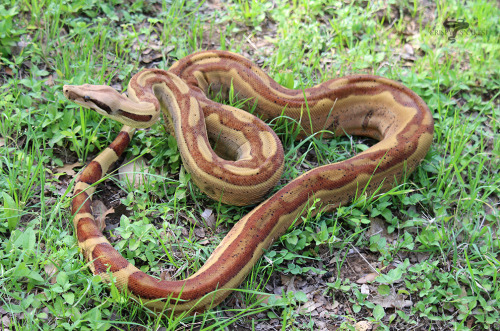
{"x": 99, "y": 104}
{"x": 134, "y": 117}
{"x": 86, "y": 100}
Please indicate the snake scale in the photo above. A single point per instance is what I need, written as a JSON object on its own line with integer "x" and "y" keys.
{"x": 362, "y": 105}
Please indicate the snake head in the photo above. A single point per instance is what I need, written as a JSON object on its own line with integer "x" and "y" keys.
{"x": 107, "y": 101}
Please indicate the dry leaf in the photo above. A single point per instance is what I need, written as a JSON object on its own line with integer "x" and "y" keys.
{"x": 50, "y": 81}
{"x": 286, "y": 279}
{"x": 101, "y": 220}
{"x": 199, "y": 232}
{"x": 363, "y": 326}
{"x": 310, "y": 306}
{"x": 148, "y": 58}
{"x": 408, "y": 49}
{"x": 165, "y": 275}
{"x": 100, "y": 211}
{"x": 214, "y": 4}
{"x": 320, "y": 324}
{"x": 365, "y": 289}
{"x": 68, "y": 169}
{"x": 391, "y": 301}
{"x": 51, "y": 271}
{"x": 193, "y": 220}
{"x": 407, "y": 53}
{"x": 5, "y": 321}
{"x": 379, "y": 226}
{"x": 236, "y": 300}
{"x": 289, "y": 282}
{"x": 204, "y": 242}
{"x": 335, "y": 305}
{"x": 209, "y": 218}
{"x": 367, "y": 278}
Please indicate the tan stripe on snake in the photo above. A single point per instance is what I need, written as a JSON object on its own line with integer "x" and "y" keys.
{"x": 358, "y": 105}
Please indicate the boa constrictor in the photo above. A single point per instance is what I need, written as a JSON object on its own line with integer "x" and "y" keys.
{"x": 362, "y": 105}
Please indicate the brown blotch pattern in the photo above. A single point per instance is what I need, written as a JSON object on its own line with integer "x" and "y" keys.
{"x": 92, "y": 173}
{"x": 105, "y": 257}
{"x": 80, "y": 203}
{"x": 120, "y": 143}
{"x": 87, "y": 229}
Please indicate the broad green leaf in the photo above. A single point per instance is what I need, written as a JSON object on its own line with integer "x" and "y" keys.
{"x": 10, "y": 211}
{"x": 378, "y": 312}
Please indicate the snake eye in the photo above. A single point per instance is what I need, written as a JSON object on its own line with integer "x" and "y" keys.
{"x": 86, "y": 98}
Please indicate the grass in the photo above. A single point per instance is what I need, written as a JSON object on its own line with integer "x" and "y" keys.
{"x": 430, "y": 244}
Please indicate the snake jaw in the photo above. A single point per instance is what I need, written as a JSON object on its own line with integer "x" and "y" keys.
{"x": 92, "y": 97}
{"x": 108, "y": 102}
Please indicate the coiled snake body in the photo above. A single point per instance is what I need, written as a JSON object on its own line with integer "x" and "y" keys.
{"x": 359, "y": 105}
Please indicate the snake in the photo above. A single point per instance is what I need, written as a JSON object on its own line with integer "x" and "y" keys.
{"x": 247, "y": 161}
